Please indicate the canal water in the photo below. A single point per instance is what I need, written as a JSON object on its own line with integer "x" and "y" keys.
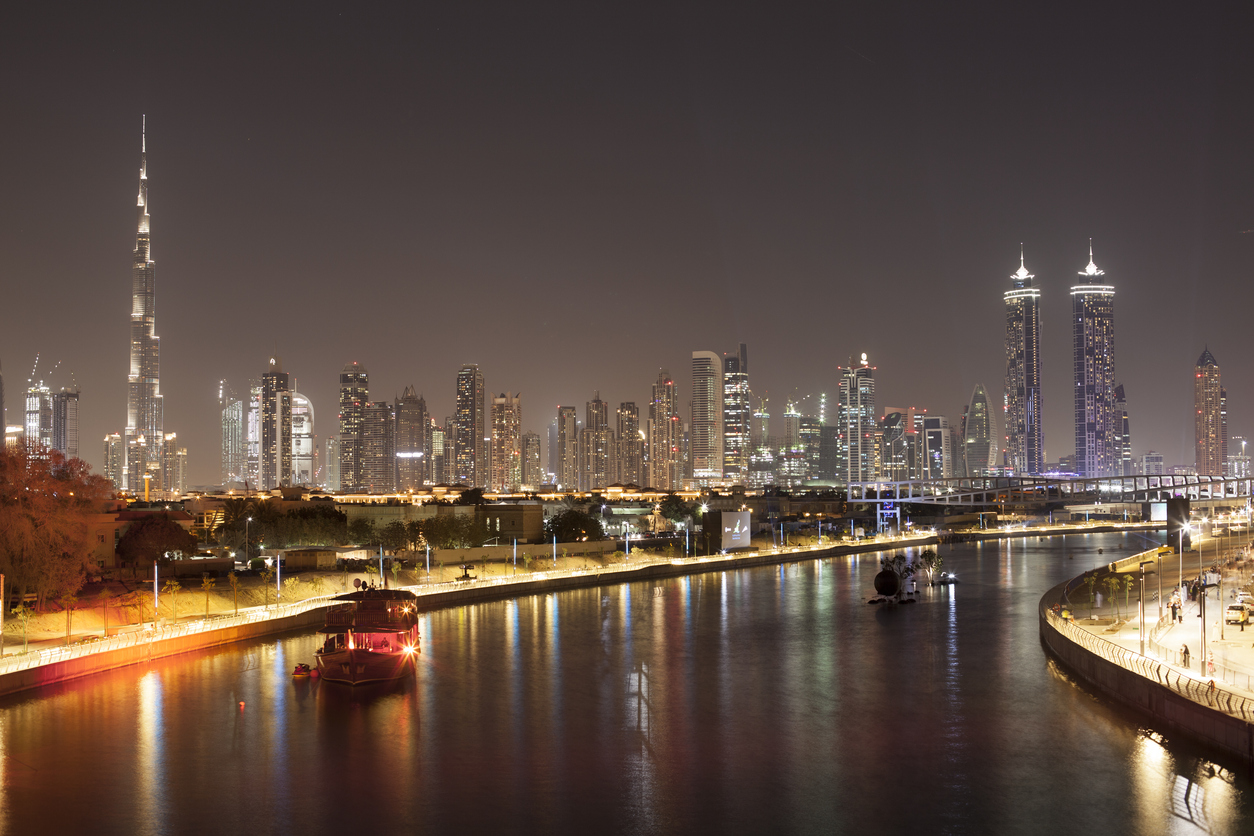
{"x": 768, "y": 700}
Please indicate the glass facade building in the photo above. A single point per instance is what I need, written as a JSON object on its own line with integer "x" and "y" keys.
{"x": 1022, "y": 407}
{"x": 1093, "y": 354}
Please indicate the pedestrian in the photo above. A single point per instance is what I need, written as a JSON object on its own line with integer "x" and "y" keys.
{"x": 1184, "y": 655}
{"x": 1174, "y": 608}
{"x": 1210, "y": 662}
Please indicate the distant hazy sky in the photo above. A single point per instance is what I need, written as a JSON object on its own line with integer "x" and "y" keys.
{"x": 574, "y": 195}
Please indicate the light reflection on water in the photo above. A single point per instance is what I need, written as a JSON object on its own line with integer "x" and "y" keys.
{"x": 766, "y": 700}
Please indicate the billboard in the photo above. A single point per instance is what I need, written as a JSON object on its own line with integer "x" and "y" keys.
{"x": 735, "y": 525}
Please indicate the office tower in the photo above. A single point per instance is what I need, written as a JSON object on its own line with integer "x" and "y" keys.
{"x": 707, "y": 418}
{"x": 857, "y": 420}
{"x": 551, "y": 463}
{"x": 762, "y": 453}
{"x": 276, "y": 427}
{"x": 376, "y": 452}
{"x": 173, "y": 467}
{"x": 331, "y": 475}
{"x": 413, "y": 425}
{"x": 937, "y": 448}
{"x": 471, "y": 464}
{"x": 506, "y": 443}
{"x": 596, "y": 440}
{"x": 1223, "y": 423}
{"x": 790, "y": 462}
{"x": 65, "y": 422}
{"x": 1123, "y": 436}
{"x": 252, "y": 435}
{"x": 980, "y": 435}
{"x": 38, "y": 421}
{"x": 234, "y": 450}
{"x": 736, "y": 416}
{"x": 1093, "y": 345}
{"x": 136, "y": 464}
{"x": 1238, "y": 461}
{"x": 1152, "y": 464}
{"x": 1207, "y": 424}
{"x": 354, "y": 393}
{"x": 566, "y": 469}
{"x": 143, "y": 400}
{"x": 901, "y": 443}
{"x": 450, "y": 450}
{"x": 630, "y": 445}
{"x": 302, "y": 441}
{"x": 665, "y": 466}
{"x": 957, "y": 447}
{"x": 114, "y": 459}
{"x": 1024, "y": 441}
{"x": 439, "y": 455}
{"x": 829, "y": 453}
{"x": 532, "y": 467}
{"x": 809, "y": 429}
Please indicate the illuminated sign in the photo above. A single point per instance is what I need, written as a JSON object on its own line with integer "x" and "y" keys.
{"x": 735, "y": 525}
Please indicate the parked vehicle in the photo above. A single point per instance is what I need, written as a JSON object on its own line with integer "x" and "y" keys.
{"x": 1237, "y": 614}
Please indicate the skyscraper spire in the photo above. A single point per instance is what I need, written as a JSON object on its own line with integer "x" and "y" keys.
{"x": 1091, "y": 270}
{"x": 144, "y": 421}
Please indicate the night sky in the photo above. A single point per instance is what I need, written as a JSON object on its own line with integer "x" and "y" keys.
{"x": 573, "y": 196}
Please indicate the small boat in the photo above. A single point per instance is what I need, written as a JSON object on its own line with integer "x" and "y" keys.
{"x": 301, "y": 670}
{"x": 372, "y": 636}
{"x": 946, "y": 578}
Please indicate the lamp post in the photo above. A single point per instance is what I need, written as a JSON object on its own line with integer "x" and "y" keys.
{"x": 1201, "y": 607}
{"x": 247, "y": 522}
{"x": 1140, "y": 604}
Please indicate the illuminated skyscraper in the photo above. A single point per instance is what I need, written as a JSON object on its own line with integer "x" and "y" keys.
{"x": 331, "y": 474}
{"x": 566, "y": 468}
{"x": 354, "y": 393}
{"x": 233, "y": 446}
{"x": 413, "y": 426}
{"x": 1207, "y": 424}
{"x": 114, "y": 459}
{"x": 707, "y": 418}
{"x": 980, "y": 435}
{"x": 736, "y": 417}
{"x": 276, "y": 427}
{"x": 532, "y": 469}
{"x": 65, "y": 422}
{"x": 38, "y": 421}
{"x": 506, "y": 442}
{"x": 173, "y": 467}
{"x": 143, "y": 401}
{"x": 1093, "y": 345}
{"x": 630, "y": 445}
{"x": 377, "y": 449}
{"x": 665, "y": 465}
{"x": 858, "y": 422}
{"x": 1123, "y": 435}
{"x": 471, "y": 463}
{"x": 303, "y": 454}
{"x": 1024, "y": 445}
{"x": 596, "y": 441}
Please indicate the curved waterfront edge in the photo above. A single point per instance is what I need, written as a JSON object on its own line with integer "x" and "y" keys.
{"x": 1173, "y": 700}
{"x": 62, "y": 664}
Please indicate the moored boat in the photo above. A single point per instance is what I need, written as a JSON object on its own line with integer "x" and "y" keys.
{"x": 372, "y": 636}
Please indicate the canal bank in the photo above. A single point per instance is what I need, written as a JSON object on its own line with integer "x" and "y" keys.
{"x": 1172, "y": 698}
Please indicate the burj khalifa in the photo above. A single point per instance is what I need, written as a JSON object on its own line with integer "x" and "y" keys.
{"x": 144, "y": 430}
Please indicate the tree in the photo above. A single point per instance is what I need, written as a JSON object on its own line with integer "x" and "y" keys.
{"x": 234, "y": 580}
{"x": 266, "y": 575}
{"x": 1112, "y": 585}
{"x": 361, "y": 532}
{"x": 172, "y": 588}
{"x": 472, "y": 496}
{"x": 45, "y": 499}
{"x": 156, "y": 537}
{"x": 21, "y": 615}
{"x": 526, "y": 561}
{"x": 1090, "y": 581}
{"x": 572, "y": 526}
{"x": 930, "y": 562}
{"x": 69, "y": 601}
{"x": 292, "y": 587}
{"x": 207, "y": 584}
{"x": 673, "y": 508}
{"x": 396, "y": 571}
{"x": 394, "y": 536}
{"x": 103, "y": 598}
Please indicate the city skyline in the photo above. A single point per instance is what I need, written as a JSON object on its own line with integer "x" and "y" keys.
{"x": 615, "y": 204}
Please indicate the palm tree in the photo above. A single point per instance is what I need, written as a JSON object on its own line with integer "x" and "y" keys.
{"x": 207, "y": 584}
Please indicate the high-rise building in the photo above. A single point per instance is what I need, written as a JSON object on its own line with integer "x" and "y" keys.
{"x": 276, "y": 427}
{"x": 252, "y": 434}
{"x": 791, "y": 467}
{"x": 471, "y": 463}
{"x": 596, "y": 441}
{"x": 532, "y": 467}
{"x": 736, "y": 416}
{"x": 707, "y": 418}
{"x": 377, "y": 448}
{"x": 303, "y": 452}
{"x": 1223, "y": 422}
{"x": 143, "y": 400}
{"x": 858, "y": 422}
{"x": 1238, "y": 459}
{"x": 566, "y": 469}
{"x": 665, "y": 464}
{"x": 413, "y": 426}
{"x": 980, "y": 435}
{"x": 809, "y": 433}
{"x": 1123, "y": 436}
{"x": 331, "y": 474}
{"x": 1152, "y": 464}
{"x": 1093, "y": 345}
{"x": 65, "y": 422}
{"x": 506, "y": 443}
{"x": 38, "y": 422}
{"x": 450, "y": 450}
{"x": 234, "y": 449}
{"x": 1207, "y": 423}
{"x": 630, "y": 445}
{"x": 173, "y": 467}
{"x": 439, "y": 455}
{"x": 937, "y": 449}
{"x": 114, "y": 459}
{"x": 354, "y": 394}
{"x": 1024, "y": 440}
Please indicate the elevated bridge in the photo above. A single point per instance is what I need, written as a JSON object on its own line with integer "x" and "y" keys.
{"x": 1039, "y": 491}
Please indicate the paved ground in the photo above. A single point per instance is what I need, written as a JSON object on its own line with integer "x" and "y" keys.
{"x": 1231, "y": 648}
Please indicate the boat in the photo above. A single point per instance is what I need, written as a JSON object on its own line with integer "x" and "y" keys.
{"x": 370, "y": 635}
{"x": 301, "y": 670}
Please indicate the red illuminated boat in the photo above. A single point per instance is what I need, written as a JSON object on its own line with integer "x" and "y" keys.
{"x": 371, "y": 637}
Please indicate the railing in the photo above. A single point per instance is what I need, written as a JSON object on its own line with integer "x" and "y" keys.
{"x": 1161, "y": 671}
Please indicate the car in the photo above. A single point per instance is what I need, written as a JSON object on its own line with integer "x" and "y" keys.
{"x": 1244, "y": 597}
{"x": 1237, "y": 614}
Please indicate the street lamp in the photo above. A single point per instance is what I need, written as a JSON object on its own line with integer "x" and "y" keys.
{"x": 246, "y": 524}
{"x": 1140, "y": 604}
